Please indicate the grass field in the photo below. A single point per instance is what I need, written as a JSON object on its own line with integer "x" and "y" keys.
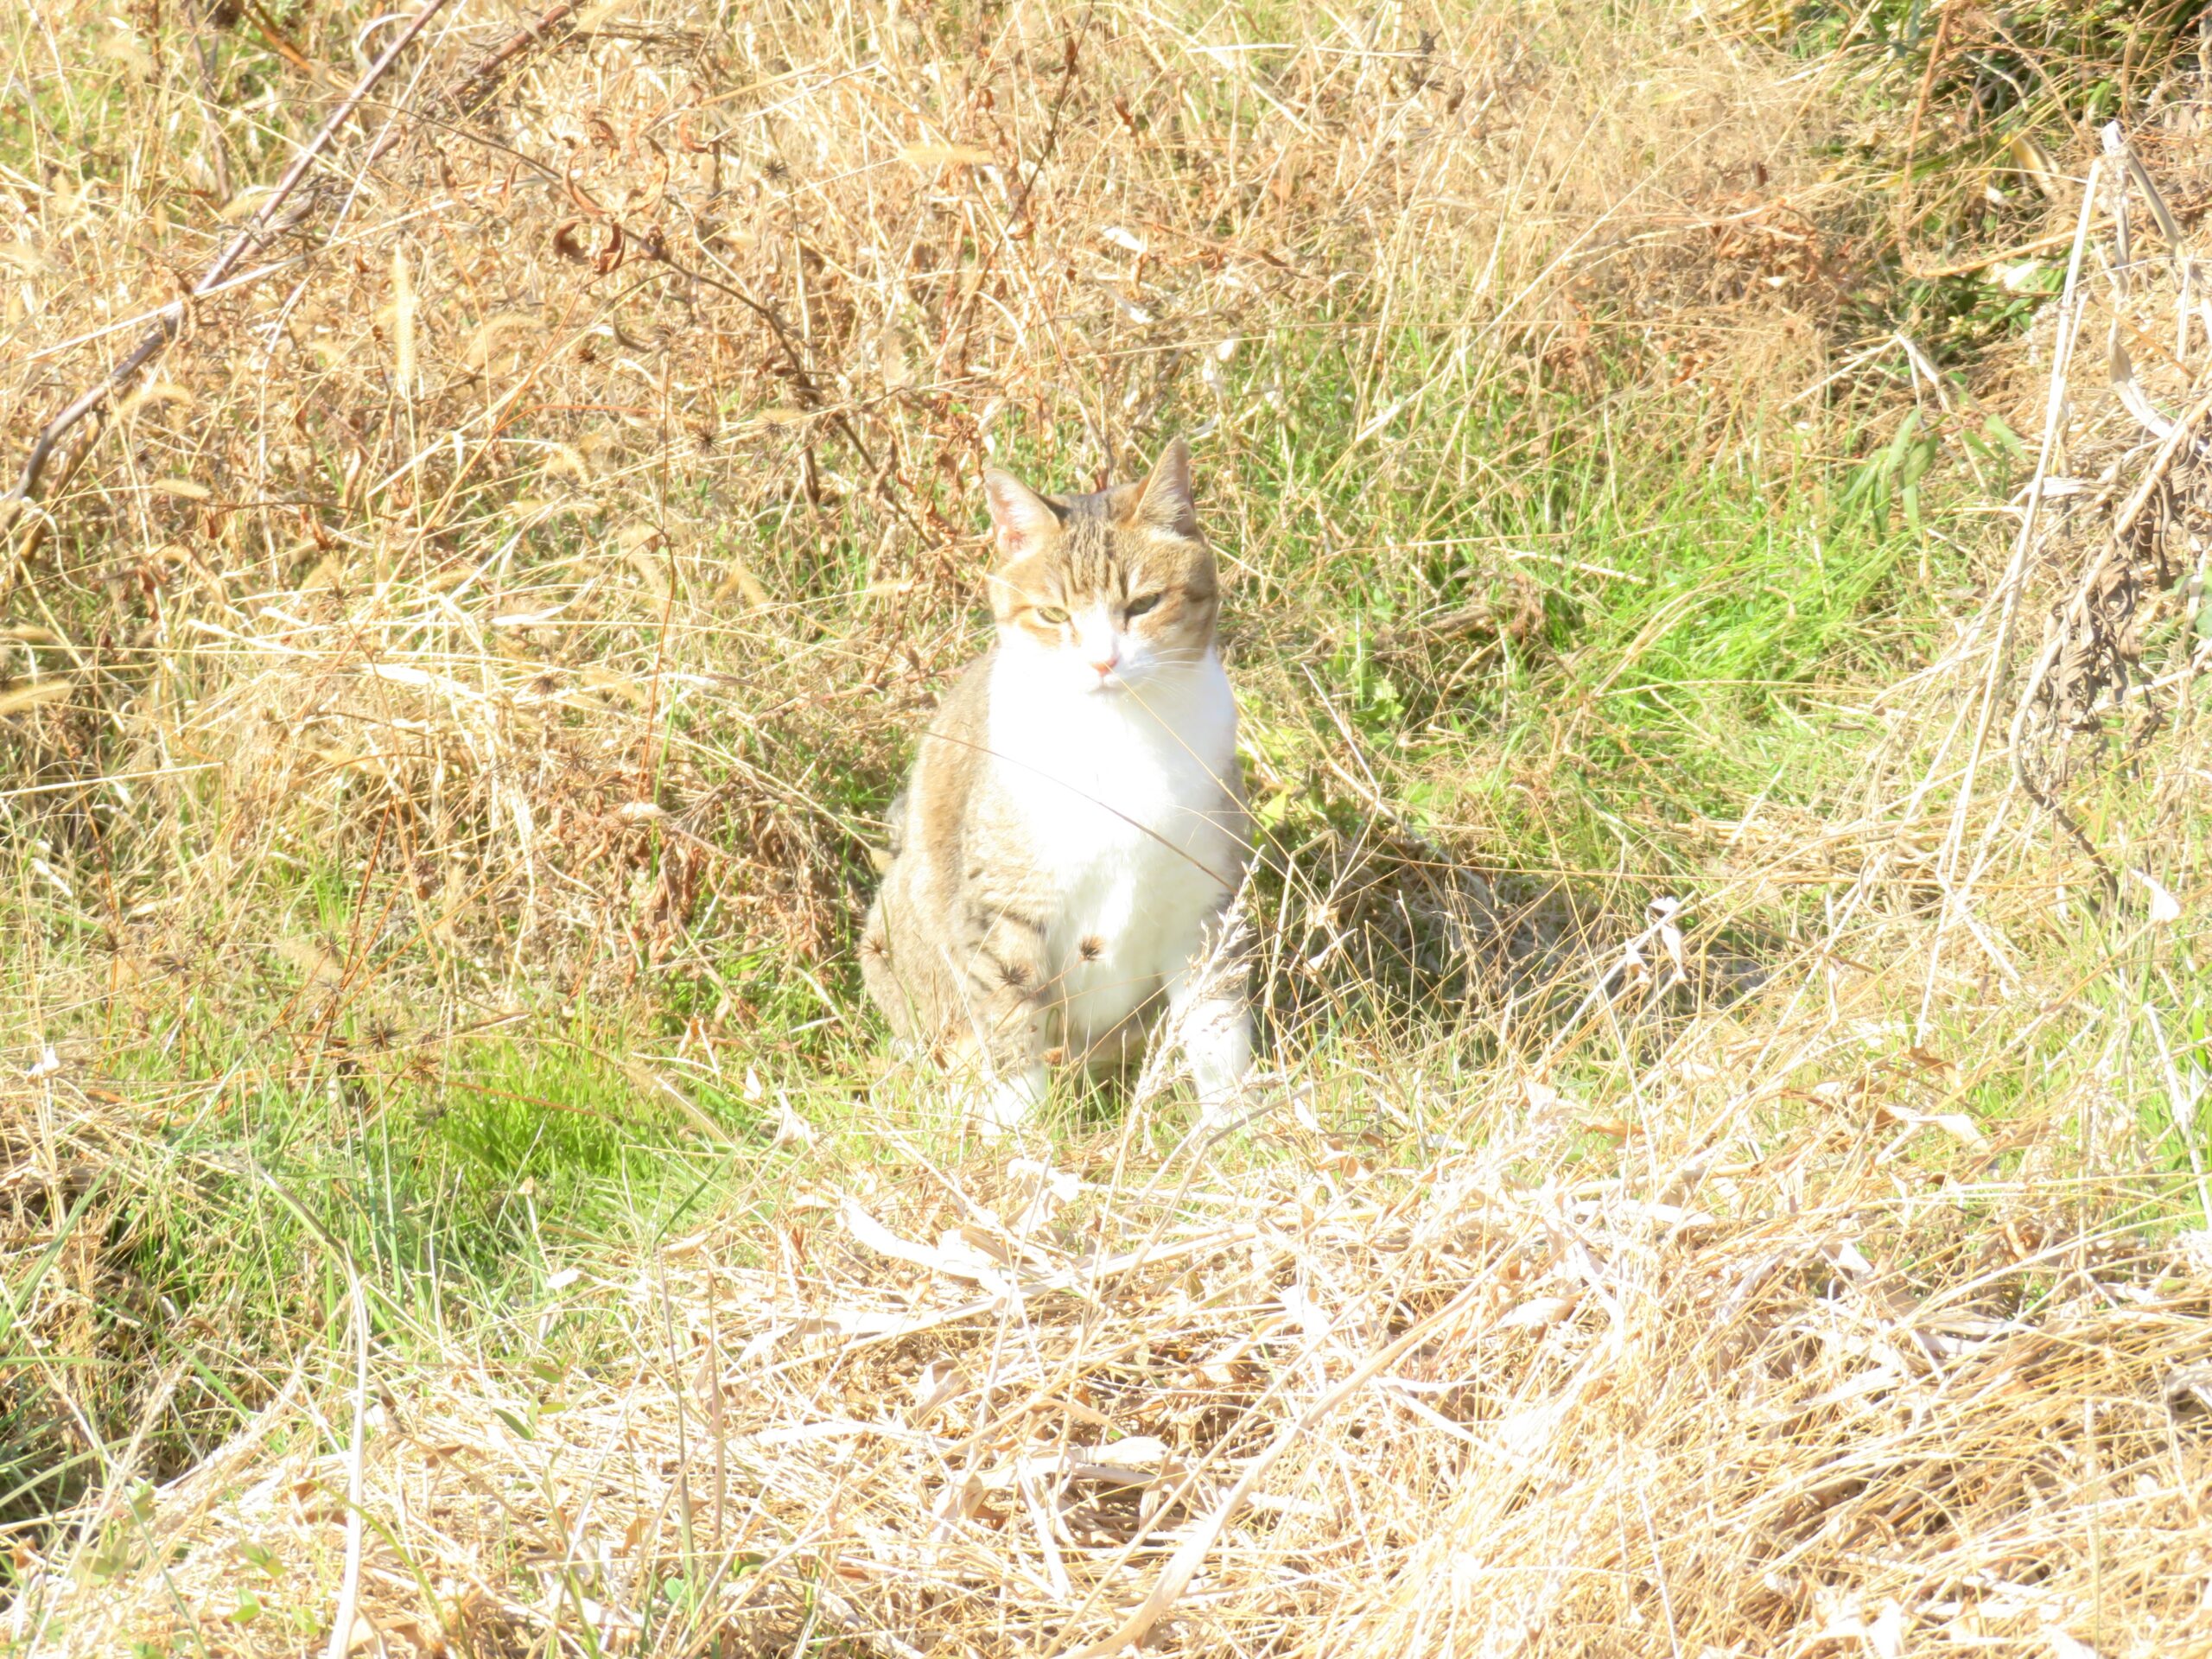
{"x": 1716, "y": 551}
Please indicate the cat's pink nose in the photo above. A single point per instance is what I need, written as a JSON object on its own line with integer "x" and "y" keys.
{"x": 1107, "y": 666}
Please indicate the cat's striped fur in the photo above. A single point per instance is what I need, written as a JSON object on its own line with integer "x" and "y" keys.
{"x": 1073, "y": 827}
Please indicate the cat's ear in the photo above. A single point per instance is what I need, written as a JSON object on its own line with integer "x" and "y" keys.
{"x": 1165, "y": 503}
{"x": 1023, "y": 519}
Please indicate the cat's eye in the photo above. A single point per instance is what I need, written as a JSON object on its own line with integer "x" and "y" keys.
{"x": 1139, "y": 607}
{"x": 1051, "y": 615}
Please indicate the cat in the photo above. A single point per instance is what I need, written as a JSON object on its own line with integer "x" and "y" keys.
{"x": 1066, "y": 848}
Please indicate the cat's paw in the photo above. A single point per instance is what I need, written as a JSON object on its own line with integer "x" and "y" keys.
{"x": 1217, "y": 1040}
{"x": 998, "y": 1106}
{"x": 1225, "y": 1104}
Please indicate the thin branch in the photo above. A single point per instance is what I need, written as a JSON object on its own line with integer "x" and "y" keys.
{"x": 263, "y": 227}
{"x": 271, "y": 221}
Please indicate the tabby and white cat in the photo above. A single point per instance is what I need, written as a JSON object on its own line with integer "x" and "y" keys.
{"x": 1064, "y": 848}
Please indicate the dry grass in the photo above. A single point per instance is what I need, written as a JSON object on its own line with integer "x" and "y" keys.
{"x": 681, "y": 518}
{"x": 504, "y": 613}
{"x": 1464, "y": 1412}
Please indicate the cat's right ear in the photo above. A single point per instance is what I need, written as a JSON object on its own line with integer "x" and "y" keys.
{"x": 1023, "y": 519}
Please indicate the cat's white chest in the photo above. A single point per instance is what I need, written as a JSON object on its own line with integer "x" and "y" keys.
{"x": 1124, "y": 802}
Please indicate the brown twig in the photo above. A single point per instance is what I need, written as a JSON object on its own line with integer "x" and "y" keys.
{"x": 284, "y": 47}
{"x": 269, "y": 222}
{"x": 1912, "y": 137}
{"x": 485, "y": 75}
{"x": 264, "y": 226}
{"x": 2017, "y": 251}
{"x": 2076, "y": 611}
{"x": 219, "y": 161}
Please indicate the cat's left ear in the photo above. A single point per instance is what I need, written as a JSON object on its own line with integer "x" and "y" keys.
{"x": 1023, "y": 520}
{"x": 1165, "y": 503}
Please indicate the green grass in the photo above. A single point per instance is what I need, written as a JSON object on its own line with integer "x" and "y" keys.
{"x": 1705, "y": 621}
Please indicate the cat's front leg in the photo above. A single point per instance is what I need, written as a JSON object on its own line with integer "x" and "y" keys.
{"x": 1217, "y": 1038}
{"x": 1004, "y": 1078}
{"x": 1210, "y": 1017}
{"x": 1005, "y": 1103}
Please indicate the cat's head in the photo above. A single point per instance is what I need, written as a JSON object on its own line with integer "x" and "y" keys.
{"x": 1104, "y": 593}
